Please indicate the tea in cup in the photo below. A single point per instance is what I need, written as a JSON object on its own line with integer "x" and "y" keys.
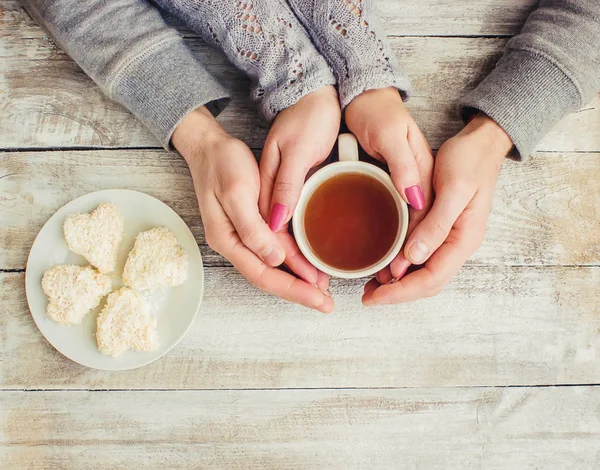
{"x": 350, "y": 220}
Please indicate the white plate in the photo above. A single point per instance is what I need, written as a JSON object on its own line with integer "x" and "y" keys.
{"x": 176, "y": 308}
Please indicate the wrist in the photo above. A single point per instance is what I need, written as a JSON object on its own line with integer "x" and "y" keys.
{"x": 373, "y": 100}
{"x": 379, "y": 94}
{"x": 489, "y": 133}
{"x": 196, "y": 132}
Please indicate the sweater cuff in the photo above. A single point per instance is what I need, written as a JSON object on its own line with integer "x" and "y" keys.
{"x": 164, "y": 84}
{"x": 283, "y": 92}
{"x": 366, "y": 79}
{"x": 526, "y": 94}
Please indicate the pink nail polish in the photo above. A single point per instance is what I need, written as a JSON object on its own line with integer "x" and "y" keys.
{"x": 278, "y": 215}
{"x": 414, "y": 194}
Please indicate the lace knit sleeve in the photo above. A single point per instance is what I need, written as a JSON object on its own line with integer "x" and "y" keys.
{"x": 264, "y": 39}
{"x": 348, "y": 34}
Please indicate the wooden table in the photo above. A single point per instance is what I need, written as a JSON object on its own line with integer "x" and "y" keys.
{"x": 501, "y": 370}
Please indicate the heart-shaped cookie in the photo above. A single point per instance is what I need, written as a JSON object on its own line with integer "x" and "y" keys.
{"x": 156, "y": 260}
{"x": 73, "y": 291}
{"x": 96, "y": 236}
{"x": 125, "y": 323}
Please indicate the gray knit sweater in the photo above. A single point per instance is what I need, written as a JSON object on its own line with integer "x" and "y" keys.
{"x": 291, "y": 48}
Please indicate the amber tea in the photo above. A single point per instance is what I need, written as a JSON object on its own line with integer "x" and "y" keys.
{"x": 351, "y": 221}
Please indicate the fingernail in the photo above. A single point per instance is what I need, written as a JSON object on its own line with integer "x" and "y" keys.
{"x": 272, "y": 256}
{"x": 278, "y": 215}
{"x": 414, "y": 194}
{"x": 327, "y": 310}
{"x": 398, "y": 277}
{"x": 325, "y": 292}
{"x": 418, "y": 252}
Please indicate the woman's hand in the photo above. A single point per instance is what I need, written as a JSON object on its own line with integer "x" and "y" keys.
{"x": 386, "y": 131}
{"x": 301, "y": 137}
{"x": 227, "y": 184}
{"x": 465, "y": 174}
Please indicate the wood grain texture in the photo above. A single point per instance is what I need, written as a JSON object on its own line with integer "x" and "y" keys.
{"x": 261, "y": 384}
{"x": 48, "y": 100}
{"x": 334, "y": 429}
{"x": 546, "y": 210}
{"x": 491, "y": 326}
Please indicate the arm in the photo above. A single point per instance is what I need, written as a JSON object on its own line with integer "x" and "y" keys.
{"x": 136, "y": 59}
{"x": 264, "y": 39}
{"x": 125, "y": 46}
{"x": 550, "y": 69}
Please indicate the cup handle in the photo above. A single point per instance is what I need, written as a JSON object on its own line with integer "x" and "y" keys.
{"x": 347, "y": 148}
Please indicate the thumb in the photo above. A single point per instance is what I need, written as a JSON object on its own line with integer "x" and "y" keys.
{"x": 286, "y": 190}
{"x": 434, "y": 229}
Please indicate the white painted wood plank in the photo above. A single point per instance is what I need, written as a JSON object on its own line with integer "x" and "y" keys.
{"x": 49, "y": 102}
{"x": 454, "y": 18}
{"x": 335, "y": 429}
{"x": 492, "y": 326}
{"x": 546, "y": 210}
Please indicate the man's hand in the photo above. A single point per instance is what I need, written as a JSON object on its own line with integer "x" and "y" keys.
{"x": 227, "y": 184}
{"x": 465, "y": 174}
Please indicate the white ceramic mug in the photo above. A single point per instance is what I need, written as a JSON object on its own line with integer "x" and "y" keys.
{"x": 348, "y": 163}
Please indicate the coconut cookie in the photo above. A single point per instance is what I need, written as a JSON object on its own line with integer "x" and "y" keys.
{"x": 125, "y": 324}
{"x": 73, "y": 291}
{"x": 156, "y": 260}
{"x": 96, "y": 236}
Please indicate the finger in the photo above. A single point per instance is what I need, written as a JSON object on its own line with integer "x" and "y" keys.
{"x": 384, "y": 276}
{"x": 269, "y": 166}
{"x": 281, "y": 183}
{"x": 323, "y": 282}
{"x": 422, "y": 283}
{"x": 435, "y": 227}
{"x": 425, "y": 282}
{"x": 283, "y": 285}
{"x": 286, "y": 190}
{"x": 251, "y": 228}
{"x": 277, "y": 282}
{"x": 296, "y": 261}
{"x": 404, "y": 171}
{"x": 370, "y": 287}
{"x": 424, "y": 159}
{"x": 463, "y": 241}
{"x": 399, "y": 266}
{"x": 266, "y": 278}
{"x": 299, "y": 265}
